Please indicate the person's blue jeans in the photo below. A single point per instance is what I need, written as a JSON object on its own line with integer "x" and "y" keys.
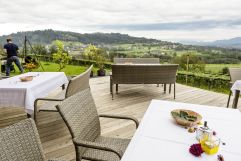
{"x": 9, "y": 63}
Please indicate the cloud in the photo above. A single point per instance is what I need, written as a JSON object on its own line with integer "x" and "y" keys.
{"x": 191, "y": 25}
{"x": 119, "y": 16}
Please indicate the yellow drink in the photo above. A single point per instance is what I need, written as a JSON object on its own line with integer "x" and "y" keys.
{"x": 209, "y": 146}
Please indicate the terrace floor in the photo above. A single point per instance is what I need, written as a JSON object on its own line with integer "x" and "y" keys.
{"x": 131, "y": 100}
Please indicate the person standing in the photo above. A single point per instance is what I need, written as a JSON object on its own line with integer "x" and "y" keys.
{"x": 12, "y": 50}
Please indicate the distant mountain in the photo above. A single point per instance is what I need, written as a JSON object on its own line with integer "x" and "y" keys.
{"x": 228, "y": 43}
{"x": 47, "y": 36}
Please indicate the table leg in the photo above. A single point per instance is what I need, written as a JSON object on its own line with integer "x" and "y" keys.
{"x": 235, "y": 100}
{"x": 28, "y": 115}
{"x": 63, "y": 86}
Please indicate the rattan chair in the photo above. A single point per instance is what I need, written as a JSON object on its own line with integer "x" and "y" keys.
{"x": 235, "y": 74}
{"x": 75, "y": 85}
{"x": 21, "y": 142}
{"x": 81, "y": 117}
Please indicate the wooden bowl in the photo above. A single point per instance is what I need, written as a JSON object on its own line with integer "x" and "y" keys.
{"x": 26, "y": 78}
{"x": 192, "y": 118}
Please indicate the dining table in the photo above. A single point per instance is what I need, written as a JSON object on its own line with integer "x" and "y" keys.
{"x": 17, "y": 93}
{"x": 160, "y": 138}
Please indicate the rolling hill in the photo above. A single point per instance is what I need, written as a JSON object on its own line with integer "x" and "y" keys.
{"x": 228, "y": 43}
{"x": 47, "y": 36}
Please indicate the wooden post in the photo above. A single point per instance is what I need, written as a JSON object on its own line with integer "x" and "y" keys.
{"x": 187, "y": 66}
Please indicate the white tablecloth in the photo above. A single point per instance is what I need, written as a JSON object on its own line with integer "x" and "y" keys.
{"x": 14, "y": 93}
{"x": 236, "y": 86}
{"x": 159, "y": 138}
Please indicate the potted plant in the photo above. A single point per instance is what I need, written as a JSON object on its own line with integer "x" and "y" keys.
{"x": 100, "y": 65}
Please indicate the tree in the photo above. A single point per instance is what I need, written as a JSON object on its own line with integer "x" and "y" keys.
{"x": 96, "y": 54}
{"x": 195, "y": 63}
{"x": 2, "y": 52}
{"x": 61, "y": 56}
{"x": 40, "y": 49}
{"x": 91, "y": 52}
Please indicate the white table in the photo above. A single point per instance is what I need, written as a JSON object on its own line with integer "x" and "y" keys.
{"x": 14, "y": 93}
{"x": 158, "y": 138}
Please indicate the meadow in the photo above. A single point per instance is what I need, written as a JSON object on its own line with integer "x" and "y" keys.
{"x": 69, "y": 70}
{"x": 217, "y": 68}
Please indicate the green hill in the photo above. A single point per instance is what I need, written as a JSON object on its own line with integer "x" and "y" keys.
{"x": 47, "y": 36}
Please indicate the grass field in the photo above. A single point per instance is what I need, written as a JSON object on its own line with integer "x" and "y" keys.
{"x": 216, "y": 68}
{"x": 53, "y": 67}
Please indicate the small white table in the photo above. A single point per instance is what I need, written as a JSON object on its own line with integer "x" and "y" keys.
{"x": 159, "y": 138}
{"x": 14, "y": 93}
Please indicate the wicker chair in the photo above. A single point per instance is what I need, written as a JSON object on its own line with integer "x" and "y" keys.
{"x": 21, "y": 142}
{"x": 75, "y": 85}
{"x": 235, "y": 74}
{"x": 81, "y": 117}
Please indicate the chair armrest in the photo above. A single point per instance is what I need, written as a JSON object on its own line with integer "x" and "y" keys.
{"x": 93, "y": 145}
{"x": 121, "y": 117}
{"x": 44, "y": 99}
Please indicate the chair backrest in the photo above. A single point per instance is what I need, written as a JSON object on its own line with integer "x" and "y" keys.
{"x": 21, "y": 141}
{"x": 235, "y": 74}
{"x": 147, "y": 74}
{"x": 136, "y": 61}
{"x": 78, "y": 83}
{"x": 80, "y": 115}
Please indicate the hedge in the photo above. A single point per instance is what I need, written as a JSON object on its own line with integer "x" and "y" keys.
{"x": 205, "y": 81}
{"x": 81, "y": 62}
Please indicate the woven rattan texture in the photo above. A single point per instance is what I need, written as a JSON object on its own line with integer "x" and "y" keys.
{"x": 79, "y": 83}
{"x": 117, "y": 144}
{"x": 80, "y": 114}
{"x": 143, "y": 74}
{"x": 20, "y": 142}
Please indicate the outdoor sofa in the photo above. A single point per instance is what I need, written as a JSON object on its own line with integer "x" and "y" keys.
{"x": 143, "y": 74}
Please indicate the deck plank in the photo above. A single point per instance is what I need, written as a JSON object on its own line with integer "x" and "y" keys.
{"x": 131, "y": 99}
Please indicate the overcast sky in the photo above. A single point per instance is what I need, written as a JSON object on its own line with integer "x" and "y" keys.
{"x": 204, "y": 20}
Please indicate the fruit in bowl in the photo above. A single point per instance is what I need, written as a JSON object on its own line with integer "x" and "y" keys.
{"x": 26, "y": 78}
{"x": 186, "y": 117}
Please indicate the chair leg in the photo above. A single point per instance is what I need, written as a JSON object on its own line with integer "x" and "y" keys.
{"x": 112, "y": 93}
{"x": 170, "y": 88}
{"x": 230, "y": 93}
{"x": 174, "y": 90}
{"x": 116, "y": 88}
{"x": 165, "y": 88}
{"x": 111, "y": 90}
{"x": 157, "y": 85}
{"x": 63, "y": 86}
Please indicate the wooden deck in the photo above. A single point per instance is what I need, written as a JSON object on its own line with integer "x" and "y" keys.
{"x": 131, "y": 100}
